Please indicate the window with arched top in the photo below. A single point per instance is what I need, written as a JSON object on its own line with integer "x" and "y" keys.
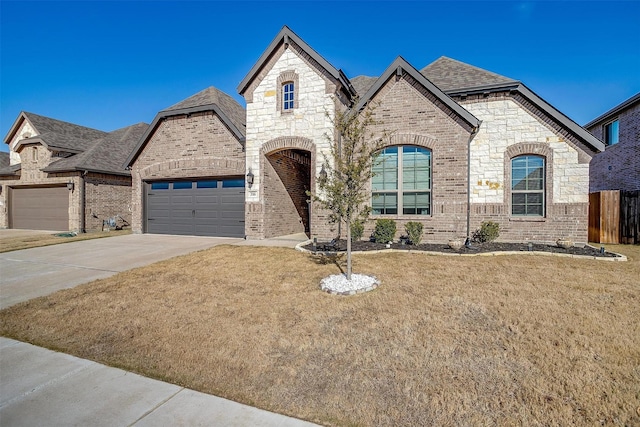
{"x": 528, "y": 186}
{"x": 401, "y": 182}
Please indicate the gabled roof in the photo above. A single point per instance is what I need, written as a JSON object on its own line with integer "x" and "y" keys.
{"x": 284, "y": 37}
{"x": 449, "y": 74}
{"x": 230, "y": 112}
{"x": 615, "y": 110}
{"x": 105, "y": 155}
{"x": 401, "y": 65}
{"x": 456, "y": 78}
{"x": 54, "y": 134}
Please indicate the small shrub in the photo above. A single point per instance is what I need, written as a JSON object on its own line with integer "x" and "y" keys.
{"x": 488, "y": 232}
{"x": 385, "y": 230}
{"x": 414, "y": 231}
{"x": 357, "y": 230}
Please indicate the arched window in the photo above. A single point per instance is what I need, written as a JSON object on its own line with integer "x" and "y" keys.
{"x": 288, "y": 96}
{"x": 402, "y": 181}
{"x": 528, "y": 185}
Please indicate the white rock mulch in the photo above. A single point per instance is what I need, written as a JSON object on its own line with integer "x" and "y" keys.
{"x": 338, "y": 284}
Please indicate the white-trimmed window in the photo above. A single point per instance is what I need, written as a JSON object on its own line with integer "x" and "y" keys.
{"x": 528, "y": 186}
{"x": 611, "y": 131}
{"x": 402, "y": 181}
{"x": 288, "y": 96}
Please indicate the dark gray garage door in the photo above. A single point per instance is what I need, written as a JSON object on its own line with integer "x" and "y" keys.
{"x": 39, "y": 208}
{"x": 208, "y": 207}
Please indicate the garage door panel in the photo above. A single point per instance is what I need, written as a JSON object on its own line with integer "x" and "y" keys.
{"x": 207, "y": 210}
{"x": 207, "y": 199}
{"x": 204, "y": 214}
{"x": 182, "y": 199}
{"x": 40, "y": 208}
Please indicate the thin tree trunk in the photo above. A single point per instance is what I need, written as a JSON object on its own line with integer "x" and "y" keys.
{"x": 348, "y": 249}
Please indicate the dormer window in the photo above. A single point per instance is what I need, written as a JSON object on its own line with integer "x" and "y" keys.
{"x": 288, "y": 92}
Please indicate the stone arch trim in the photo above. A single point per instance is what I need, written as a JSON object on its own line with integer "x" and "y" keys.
{"x": 523, "y": 149}
{"x": 412, "y": 139}
{"x": 285, "y": 142}
{"x": 535, "y": 148}
{"x": 190, "y": 167}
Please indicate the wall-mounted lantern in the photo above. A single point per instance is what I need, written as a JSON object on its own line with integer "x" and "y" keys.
{"x": 70, "y": 185}
{"x": 323, "y": 174}
{"x": 250, "y": 178}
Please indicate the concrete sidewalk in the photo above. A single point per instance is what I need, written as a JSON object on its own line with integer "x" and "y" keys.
{"x": 39, "y": 387}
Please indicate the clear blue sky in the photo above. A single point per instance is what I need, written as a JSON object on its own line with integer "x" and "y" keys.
{"x": 107, "y": 65}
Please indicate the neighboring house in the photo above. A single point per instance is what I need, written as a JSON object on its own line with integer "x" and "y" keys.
{"x": 65, "y": 177}
{"x": 467, "y": 145}
{"x": 618, "y": 167}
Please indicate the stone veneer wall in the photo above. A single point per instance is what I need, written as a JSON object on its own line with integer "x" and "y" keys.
{"x": 25, "y": 131}
{"x": 508, "y": 130}
{"x": 618, "y": 167}
{"x": 198, "y": 145}
{"x": 305, "y": 128}
{"x": 414, "y": 117}
{"x": 106, "y": 196}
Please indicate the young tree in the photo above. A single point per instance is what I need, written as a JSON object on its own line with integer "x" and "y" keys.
{"x": 343, "y": 187}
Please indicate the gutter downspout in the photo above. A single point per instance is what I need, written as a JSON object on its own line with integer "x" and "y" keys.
{"x": 474, "y": 132}
{"x": 83, "y": 199}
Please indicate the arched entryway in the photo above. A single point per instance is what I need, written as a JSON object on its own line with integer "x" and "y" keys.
{"x": 287, "y": 177}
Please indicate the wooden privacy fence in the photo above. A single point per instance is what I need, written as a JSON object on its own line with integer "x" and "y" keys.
{"x": 614, "y": 217}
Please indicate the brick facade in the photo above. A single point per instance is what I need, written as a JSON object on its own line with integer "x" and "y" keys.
{"x": 198, "y": 145}
{"x": 412, "y": 117}
{"x": 106, "y": 196}
{"x": 618, "y": 167}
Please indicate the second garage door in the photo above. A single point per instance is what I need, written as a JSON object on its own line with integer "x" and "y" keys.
{"x": 207, "y": 207}
{"x": 39, "y": 208}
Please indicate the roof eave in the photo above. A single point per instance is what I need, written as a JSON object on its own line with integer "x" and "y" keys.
{"x": 80, "y": 168}
{"x": 180, "y": 112}
{"x": 16, "y": 125}
{"x": 284, "y": 36}
{"x": 549, "y": 109}
{"x": 402, "y": 64}
{"x": 614, "y": 111}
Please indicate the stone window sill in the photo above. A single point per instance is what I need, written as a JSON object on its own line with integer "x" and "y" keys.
{"x": 528, "y": 219}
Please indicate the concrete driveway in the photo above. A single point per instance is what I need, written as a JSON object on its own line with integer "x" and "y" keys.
{"x": 35, "y": 272}
{"x": 43, "y": 387}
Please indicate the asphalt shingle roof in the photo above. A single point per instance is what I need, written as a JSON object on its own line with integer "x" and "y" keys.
{"x": 449, "y": 75}
{"x": 106, "y": 154}
{"x": 63, "y": 135}
{"x": 362, "y": 84}
{"x": 229, "y": 106}
{"x": 5, "y": 159}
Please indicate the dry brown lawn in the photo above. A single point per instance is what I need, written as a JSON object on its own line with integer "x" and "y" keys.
{"x": 509, "y": 340}
{"x": 8, "y": 244}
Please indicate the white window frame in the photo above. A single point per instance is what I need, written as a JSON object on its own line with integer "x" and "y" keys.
{"x": 288, "y": 91}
